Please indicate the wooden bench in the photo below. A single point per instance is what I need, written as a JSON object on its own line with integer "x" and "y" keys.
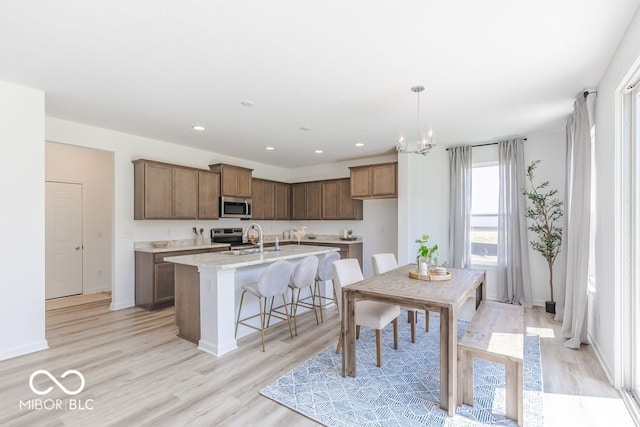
{"x": 496, "y": 333}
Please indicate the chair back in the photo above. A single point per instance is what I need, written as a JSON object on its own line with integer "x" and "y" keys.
{"x": 274, "y": 280}
{"x": 304, "y": 274}
{"x": 345, "y": 272}
{"x": 383, "y": 263}
{"x": 324, "y": 267}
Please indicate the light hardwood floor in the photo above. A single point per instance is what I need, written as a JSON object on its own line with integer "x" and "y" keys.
{"x": 138, "y": 372}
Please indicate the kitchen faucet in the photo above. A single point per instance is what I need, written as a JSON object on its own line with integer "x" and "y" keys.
{"x": 260, "y": 234}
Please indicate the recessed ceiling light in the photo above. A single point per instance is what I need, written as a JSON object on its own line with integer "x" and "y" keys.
{"x": 200, "y": 128}
{"x": 269, "y": 148}
{"x": 305, "y": 128}
{"x": 318, "y": 151}
{"x": 359, "y": 144}
{"x": 247, "y": 103}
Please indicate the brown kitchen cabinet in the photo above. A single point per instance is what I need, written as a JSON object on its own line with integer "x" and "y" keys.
{"x": 208, "y": 195}
{"x": 263, "y": 198}
{"x": 165, "y": 191}
{"x": 154, "y": 278}
{"x": 235, "y": 181}
{"x": 306, "y": 200}
{"x": 337, "y": 202}
{"x": 282, "y": 200}
{"x": 377, "y": 181}
{"x": 347, "y": 250}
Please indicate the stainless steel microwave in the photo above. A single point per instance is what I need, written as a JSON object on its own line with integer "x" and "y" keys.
{"x": 235, "y": 207}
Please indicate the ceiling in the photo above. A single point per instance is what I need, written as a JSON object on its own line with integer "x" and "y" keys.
{"x": 342, "y": 69}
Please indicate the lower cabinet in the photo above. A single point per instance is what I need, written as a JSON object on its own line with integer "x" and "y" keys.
{"x": 347, "y": 250}
{"x": 155, "y": 277}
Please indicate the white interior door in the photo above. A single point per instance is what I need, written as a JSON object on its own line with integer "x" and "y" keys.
{"x": 63, "y": 239}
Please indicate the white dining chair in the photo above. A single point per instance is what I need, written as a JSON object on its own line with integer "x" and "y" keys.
{"x": 273, "y": 281}
{"x": 371, "y": 314}
{"x": 385, "y": 262}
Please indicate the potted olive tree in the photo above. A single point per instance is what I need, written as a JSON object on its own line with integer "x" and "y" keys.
{"x": 544, "y": 211}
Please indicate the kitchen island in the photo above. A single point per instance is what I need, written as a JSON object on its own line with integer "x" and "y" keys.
{"x": 208, "y": 288}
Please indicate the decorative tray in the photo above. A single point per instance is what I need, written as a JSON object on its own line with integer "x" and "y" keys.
{"x": 429, "y": 277}
{"x": 348, "y": 238}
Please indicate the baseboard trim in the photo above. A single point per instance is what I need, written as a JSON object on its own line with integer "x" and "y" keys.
{"x": 121, "y": 305}
{"x": 596, "y": 350}
{"x": 25, "y": 349}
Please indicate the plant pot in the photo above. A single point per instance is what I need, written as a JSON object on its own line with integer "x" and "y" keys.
{"x": 550, "y": 306}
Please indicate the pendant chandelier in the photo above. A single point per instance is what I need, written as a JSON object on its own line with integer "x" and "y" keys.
{"x": 422, "y": 145}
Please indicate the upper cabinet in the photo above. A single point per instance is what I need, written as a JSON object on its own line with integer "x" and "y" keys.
{"x": 208, "y": 195}
{"x": 306, "y": 200}
{"x": 374, "y": 181}
{"x": 165, "y": 191}
{"x": 337, "y": 202}
{"x": 235, "y": 181}
{"x": 282, "y": 200}
{"x": 270, "y": 199}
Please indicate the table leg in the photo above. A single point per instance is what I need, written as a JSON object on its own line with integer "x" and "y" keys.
{"x": 448, "y": 360}
{"x": 348, "y": 335}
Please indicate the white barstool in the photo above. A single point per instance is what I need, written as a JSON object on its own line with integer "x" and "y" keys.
{"x": 273, "y": 281}
{"x": 323, "y": 274}
{"x": 303, "y": 276}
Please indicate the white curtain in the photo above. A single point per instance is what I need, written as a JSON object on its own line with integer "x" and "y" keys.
{"x": 514, "y": 283}
{"x": 460, "y": 206}
{"x": 577, "y": 228}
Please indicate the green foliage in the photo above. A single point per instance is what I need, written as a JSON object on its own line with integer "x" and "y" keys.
{"x": 544, "y": 211}
{"x": 424, "y": 250}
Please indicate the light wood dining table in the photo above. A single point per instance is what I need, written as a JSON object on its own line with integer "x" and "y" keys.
{"x": 396, "y": 287}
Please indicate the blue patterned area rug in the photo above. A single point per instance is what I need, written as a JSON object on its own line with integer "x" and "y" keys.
{"x": 405, "y": 391}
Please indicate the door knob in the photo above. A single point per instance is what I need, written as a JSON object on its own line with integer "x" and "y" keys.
{"x": 77, "y": 248}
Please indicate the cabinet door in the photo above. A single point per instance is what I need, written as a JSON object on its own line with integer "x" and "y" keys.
{"x": 185, "y": 193}
{"x": 383, "y": 180}
{"x": 164, "y": 283}
{"x": 269, "y": 199}
{"x": 314, "y": 200}
{"x": 158, "y": 200}
{"x": 243, "y": 184}
{"x": 360, "y": 180}
{"x": 229, "y": 177}
{"x": 257, "y": 199}
{"x": 298, "y": 201}
{"x": 282, "y": 201}
{"x": 348, "y": 208}
{"x": 329, "y": 199}
{"x": 208, "y": 195}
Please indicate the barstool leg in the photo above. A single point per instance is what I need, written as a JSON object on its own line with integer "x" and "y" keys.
{"x": 313, "y": 303}
{"x": 262, "y": 319}
{"x": 294, "y": 309}
{"x": 287, "y": 315}
{"x": 319, "y": 294}
{"x": 239, "y": 311}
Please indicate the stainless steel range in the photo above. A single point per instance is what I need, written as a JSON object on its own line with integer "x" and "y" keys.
{"x": 232, "y": 236}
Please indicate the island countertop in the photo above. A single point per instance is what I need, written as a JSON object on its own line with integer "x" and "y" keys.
{"x": 227, "y": 261}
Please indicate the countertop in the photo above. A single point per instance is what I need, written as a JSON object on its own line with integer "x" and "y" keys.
{"x": 319, "y": 239}
{"x": 226, "y": 261}
{"x": 176, "y": 247}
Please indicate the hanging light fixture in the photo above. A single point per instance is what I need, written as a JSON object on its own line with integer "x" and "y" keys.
{"x": 422, "y": 145}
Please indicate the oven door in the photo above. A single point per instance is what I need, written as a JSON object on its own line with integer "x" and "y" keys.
{"x": 235, "y": 207}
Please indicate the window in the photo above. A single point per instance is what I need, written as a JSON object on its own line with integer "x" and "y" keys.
{"x": 484, "y": 213}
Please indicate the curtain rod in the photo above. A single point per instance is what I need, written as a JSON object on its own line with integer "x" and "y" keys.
{"x": 587, "y": 93}
{"x": 482, "y": 144}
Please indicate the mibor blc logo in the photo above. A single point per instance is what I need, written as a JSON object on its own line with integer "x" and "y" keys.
{"x": 38, "y": 404}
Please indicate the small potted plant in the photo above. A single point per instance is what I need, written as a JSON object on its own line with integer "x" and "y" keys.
{"x": 426, "y": 254}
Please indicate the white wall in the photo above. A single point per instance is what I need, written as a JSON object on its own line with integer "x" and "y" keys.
{"x": 22, "y": 327}
{"x": 94, "y": 170}
{"x": 423, "y": 201}
{"x": 605, "y": 322}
